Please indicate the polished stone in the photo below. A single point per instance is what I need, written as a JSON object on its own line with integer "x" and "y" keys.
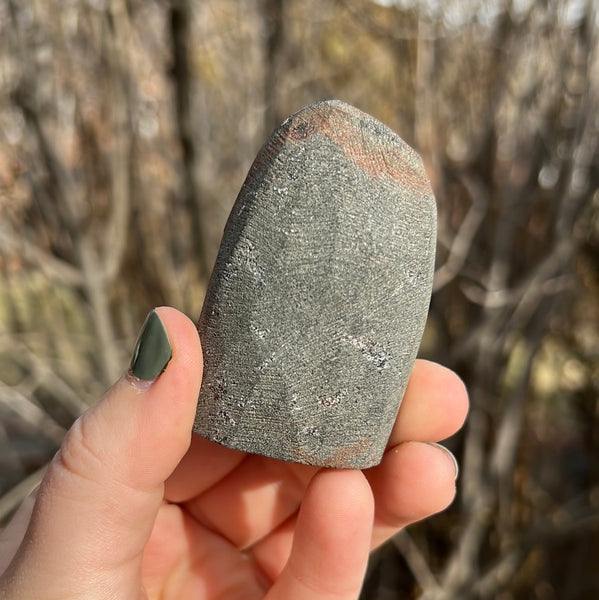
{"x": 320, "y": 292}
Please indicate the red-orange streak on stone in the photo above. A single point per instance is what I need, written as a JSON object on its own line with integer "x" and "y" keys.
{"x": 367, "y": 152}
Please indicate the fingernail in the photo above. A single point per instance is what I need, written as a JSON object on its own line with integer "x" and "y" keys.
{"x": 449, "y": 455}
{"x": 152, "y": 350}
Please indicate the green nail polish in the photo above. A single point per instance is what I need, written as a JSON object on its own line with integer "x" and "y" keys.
{"x": 152, "y": 350}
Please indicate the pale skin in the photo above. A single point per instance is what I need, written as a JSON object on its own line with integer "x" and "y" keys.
{"x": 135, "y": 507}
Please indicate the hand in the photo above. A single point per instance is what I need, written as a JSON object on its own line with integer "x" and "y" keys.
{"x": 133, "y": 506}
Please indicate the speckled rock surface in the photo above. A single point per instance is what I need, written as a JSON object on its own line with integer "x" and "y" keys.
{"x": 320, "y": 292}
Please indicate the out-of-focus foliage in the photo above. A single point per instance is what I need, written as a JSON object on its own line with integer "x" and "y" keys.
{"x": 126, "y": 129}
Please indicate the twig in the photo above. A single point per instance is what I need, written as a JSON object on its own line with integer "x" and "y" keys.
{"x": 11, "y": 499}
{"x": 180, "y": 30}
{"x": 86, "y": 255}
{"x": 54, "y": 268}
{"x": 31, "y": 413}
{"x": 416, "y": 561}
{"x": 45, "y": 375}
{"x": 121, "y": 136}
{"x": 505, "y": 568}
{"x": 464, "y": 238}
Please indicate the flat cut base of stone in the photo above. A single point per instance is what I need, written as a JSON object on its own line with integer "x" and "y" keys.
{"x": 320, "y": 292}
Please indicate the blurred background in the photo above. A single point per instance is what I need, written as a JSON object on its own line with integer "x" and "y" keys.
{"x": 126, "y": 130}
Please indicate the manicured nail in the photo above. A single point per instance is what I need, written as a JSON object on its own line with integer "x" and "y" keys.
{"x": 449, "y": 455}
{"x": 152, "y": 350}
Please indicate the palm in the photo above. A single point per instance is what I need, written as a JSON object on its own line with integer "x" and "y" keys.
{"x": 216, "y": 539}
{"x": 185, "y": 560}
{"x": 230, "y": 532}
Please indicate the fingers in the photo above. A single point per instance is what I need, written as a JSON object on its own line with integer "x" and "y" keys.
{"x": 332, "y": 540}
{"x": 434, "y": 406}
{"x": 106, "y": 482}
{"x": 414, "y": 481}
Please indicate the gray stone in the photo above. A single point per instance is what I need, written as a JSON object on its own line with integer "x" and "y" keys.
{"x": 320, "y": 292}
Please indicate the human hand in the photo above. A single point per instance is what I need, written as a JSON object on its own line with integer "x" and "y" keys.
{"x": 134, "y": 507}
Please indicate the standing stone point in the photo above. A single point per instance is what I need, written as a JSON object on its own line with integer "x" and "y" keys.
{"x": 320, "y": 292}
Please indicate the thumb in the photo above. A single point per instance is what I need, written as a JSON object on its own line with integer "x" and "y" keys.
{"x": 96, "y": 506}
